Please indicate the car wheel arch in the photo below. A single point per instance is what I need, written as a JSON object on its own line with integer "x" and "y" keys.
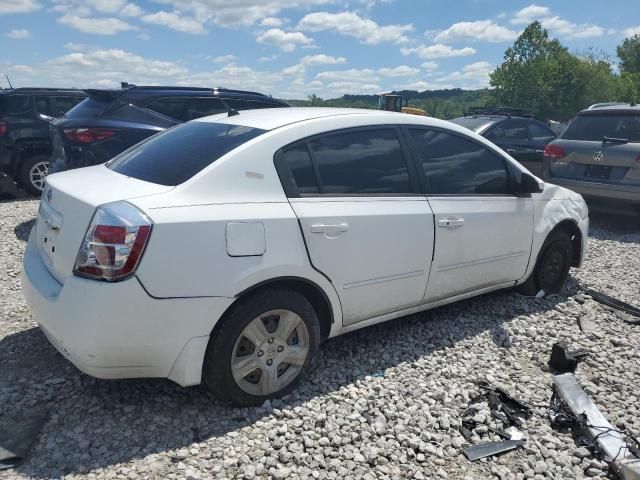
{"x": 309, "y": 289}
{"x": 570, "y": 227}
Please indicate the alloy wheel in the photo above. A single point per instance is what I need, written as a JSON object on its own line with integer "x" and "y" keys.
{"x": 38, "y": 174}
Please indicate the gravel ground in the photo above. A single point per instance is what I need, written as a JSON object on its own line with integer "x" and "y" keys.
{"x": 385, "y": 402}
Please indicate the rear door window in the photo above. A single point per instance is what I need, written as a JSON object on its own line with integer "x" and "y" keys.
{"x": 298, "y": 169}
{"x": 45, "y": 106}
{"x": 64, "y": 104}
{"x": 595, "y": 127}
{"x": 203, "y": 106}
{"x": 540, "y": 133}
{"x": 177, "y": 154}
{"x": 361, "y": 162}
{"x": 509, "y": 131}
{"x": 454, "y": 165}
{"x": 171, "y": 107}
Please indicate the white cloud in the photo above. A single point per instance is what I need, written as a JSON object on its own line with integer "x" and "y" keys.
{"x": 18, "y": 33}
{"x": 19, "y": 6}
{"x": 364, "y": 75}
{"x": 294, "y": 70}
{"x": 224, "y": 58}
{"x": 420, "y": 86}
{"x": 268, "y": 58}
{"x": 429, "y": 66}
{"x": 401, "y": 71}
{"x": 175, "y": 21}
{"x": 21, "y": 69}
{"x": 557, "y": 25}
{"x": 131, "y": 10}
{"x": 529, "y": 14}
{"x": 352, "y": 24}
{"x": 474, "y": 75}
{"x": 631, "y": 31}
{"x": 287, "y": 41}
{"x": 485, "y": 30}
{"x": 438, "y": 51}
{"x": 322, "y": 59}
{"x": 98, "y": 26}
{"x": 337, "y": 89}
{"x": 271, "y": 22}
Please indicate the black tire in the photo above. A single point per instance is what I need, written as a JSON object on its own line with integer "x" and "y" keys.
{"x": 25, "y": 173}
{"x": 552, "y": 265}
{"x": 217, "y": 374}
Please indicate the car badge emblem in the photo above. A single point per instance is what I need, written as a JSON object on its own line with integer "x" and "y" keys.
{"x": 49, "y": 195}
{"x": 598, "y": 156}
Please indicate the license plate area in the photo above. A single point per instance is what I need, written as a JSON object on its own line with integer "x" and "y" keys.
{"x": 47, "y": 238}
{"x": 599, "y": 172}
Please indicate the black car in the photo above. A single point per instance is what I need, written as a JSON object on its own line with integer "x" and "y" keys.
{"x": 110, "y": 121}
{"x": 25, "y": 139}
{"x": 514, "y": 130}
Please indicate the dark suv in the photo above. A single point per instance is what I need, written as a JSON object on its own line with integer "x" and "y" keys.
{"x": 598, "y": 156}
{"x": 110, "y": 121}
{"x": 514, "y": 130}
{"x": 25, "y": 140}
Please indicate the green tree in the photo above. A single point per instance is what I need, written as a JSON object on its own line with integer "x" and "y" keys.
{"x": 537, "y": 73}
{"x": 629, "y": 53}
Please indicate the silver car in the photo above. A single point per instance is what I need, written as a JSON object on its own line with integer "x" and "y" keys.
{"x": 598, "y": 156}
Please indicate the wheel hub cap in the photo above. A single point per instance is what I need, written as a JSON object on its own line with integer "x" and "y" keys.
{"x": 270, "y": 352}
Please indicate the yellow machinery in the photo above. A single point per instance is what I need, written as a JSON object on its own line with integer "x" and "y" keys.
{"x": 392, "y": 102}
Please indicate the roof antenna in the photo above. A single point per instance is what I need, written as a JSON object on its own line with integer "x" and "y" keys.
{"x": 7, "y": 77}
{"x": 232, "y": 112}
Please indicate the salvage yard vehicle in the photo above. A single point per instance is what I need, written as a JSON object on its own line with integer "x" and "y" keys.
{"x": 226, "y": 249}
{"x": 110, "y": 121}
{"x": 515, "y": 130}
{"x": 598, "y": 156}
{"x": 25, "y": 140}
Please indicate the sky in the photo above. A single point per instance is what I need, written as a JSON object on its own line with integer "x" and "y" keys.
{"x": 288, "y": 48}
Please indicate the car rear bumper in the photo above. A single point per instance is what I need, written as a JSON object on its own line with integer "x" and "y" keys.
{"x": 116, "y": 330}
{"x": 627, "y": 193}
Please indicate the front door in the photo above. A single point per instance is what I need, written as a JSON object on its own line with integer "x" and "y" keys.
{"x": 365, "y": 225}
{"x": 483, "y": 232}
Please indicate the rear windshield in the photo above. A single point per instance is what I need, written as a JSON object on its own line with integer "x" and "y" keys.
{"x": 177, "y": 154}
{"x": 597, "y": 126}
{"x": 15, "y": 104}
{"x": 89, "y": 107}
{"x": 474, "y": 124}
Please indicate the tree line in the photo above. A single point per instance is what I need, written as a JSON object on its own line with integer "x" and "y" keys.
{"x": 537, "y": 73}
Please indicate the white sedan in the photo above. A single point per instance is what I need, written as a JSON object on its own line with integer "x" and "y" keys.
{"x": 226, "y": 249}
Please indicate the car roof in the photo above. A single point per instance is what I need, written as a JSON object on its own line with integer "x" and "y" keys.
{"x": 269, "y": 119}
{"x": 41, "y": 91}
{"x": 618, "y": 108}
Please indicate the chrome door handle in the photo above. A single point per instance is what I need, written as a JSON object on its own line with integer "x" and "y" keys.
{"x": 451, "y": 222}
{"x": 329, "y": 229}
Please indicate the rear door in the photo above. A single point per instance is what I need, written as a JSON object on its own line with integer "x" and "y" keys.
{"x": 600, "y": 147}
{"x": 366, "y": 226}
{"x": 483, "y": 232}
{"x": 540, "y": 135}
{"x": 513, "y": 137}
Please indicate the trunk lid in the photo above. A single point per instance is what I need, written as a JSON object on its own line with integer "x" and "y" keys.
{"x": 67, "y": 206}
{"x": 597, "y": 161}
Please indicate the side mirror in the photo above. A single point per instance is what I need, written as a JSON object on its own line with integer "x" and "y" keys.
{"x": 528, "y": 184}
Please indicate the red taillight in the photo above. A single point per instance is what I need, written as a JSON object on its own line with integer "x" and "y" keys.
{"x": 554, "y": 151}
{"x": 3, "y": 128}
{"x": 114, "y": 242}
{"x": 89, "y": 135}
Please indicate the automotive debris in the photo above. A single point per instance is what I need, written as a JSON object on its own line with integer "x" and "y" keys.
{"x": 505, "y": 408}
{"x": 17, "y": 436}
{"x": 476, "y": 452}
{"x": 540, "y": 294}
{"x": 562, "y": 360}
{"x": 618, "y": 305}
{"x": 572, "y": 407}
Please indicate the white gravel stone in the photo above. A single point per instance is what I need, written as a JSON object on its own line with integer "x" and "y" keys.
{"x": 384, "y": 402}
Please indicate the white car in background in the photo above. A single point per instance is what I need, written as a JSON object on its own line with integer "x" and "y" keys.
{"x": 226, "y": 249}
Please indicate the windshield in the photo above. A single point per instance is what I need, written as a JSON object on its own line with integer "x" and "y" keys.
{"x": 175, "y": 155}
{"x": 597, "y": 126}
